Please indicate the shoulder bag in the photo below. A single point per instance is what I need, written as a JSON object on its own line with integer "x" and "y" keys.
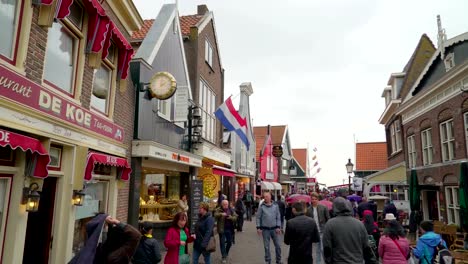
{"x": 401, "y": 251}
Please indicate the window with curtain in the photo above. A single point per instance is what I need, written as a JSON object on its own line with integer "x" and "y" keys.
{"x": 103, "y": 83}
{"x": 62, "y": 51}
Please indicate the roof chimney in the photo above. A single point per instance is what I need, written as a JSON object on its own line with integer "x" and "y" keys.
{"x": 202, "y": 10}
{"x": 268, "y": 130}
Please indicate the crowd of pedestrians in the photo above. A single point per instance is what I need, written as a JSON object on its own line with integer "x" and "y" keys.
{"x": 331, "y": 230}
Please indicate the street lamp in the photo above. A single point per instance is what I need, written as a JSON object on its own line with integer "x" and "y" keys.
{"x": 349, "y": 169}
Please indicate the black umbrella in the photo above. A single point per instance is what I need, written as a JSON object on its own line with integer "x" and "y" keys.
{"x": 463, "y": 194}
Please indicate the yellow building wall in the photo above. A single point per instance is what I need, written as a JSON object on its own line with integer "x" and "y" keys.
{"x": 397, "y": 174}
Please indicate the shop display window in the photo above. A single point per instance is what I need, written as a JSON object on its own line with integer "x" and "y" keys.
{"x": 159, "y": 194}
{"x": 95, "y": 201}
{"x": 7, "y": 157}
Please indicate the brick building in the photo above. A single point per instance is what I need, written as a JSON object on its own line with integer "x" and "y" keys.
{"x": 426, "y": 120}
{"x": 66, "y": 122}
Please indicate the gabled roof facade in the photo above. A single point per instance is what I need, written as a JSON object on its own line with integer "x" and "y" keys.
{"x": 300, "y": 155}
{"x": 279, "y": 136}
{"x": 371, "y": 156}
{"x": 261, "y": 137}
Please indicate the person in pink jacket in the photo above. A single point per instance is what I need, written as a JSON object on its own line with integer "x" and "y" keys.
{"x": 394, "y": 247}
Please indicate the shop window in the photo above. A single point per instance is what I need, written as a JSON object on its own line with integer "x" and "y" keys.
{"x": 447, "y": 140}
{"x": 411, "y": 152}
{"x": 7, "y": 157}
{"x": 159, "y": 194}
{"x": 61, "y": 57}
{"x": 453, "y": 208}
{"x": 102, "y": 169}
{"x": 9, "y": 19}
{"x": 55, "y": 154}
{"x": 207, "y": 102}
{"x": 95, "y": 201}
{"x": 426, "y": 140}
{"x": 103, "y": 83}
{"x": 4, "y": 204}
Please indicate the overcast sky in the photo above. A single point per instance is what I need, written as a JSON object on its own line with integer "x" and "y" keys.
{"x": 320, "y": 66}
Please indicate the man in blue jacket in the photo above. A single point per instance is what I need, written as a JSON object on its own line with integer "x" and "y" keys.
{"x": 268, "y": 225}
{"x": 427, "y": 243}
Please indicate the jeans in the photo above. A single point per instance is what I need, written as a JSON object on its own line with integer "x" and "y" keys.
{"x": 267, "y": 234}
{"x": 318, "y": 252}
{"x": 225, "y": 242}
{"x": 249, "y": 212}
{"x": 196, "y": 256}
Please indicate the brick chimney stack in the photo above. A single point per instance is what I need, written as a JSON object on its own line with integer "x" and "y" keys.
{"x": 202, "y": 10}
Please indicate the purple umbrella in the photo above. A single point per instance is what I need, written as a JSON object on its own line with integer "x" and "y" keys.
{"x": 355, "y": 197}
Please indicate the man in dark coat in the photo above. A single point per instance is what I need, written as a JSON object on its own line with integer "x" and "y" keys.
{"x": 363, "y": 205}
{"x": 203, "y": 232}
{"x": 148, "y": 250}
{"x": 282, "y": 209}
{"x": 301, "y": 232}
{"x": 345, "y": 238}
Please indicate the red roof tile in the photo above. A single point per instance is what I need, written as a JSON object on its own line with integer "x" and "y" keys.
{"x": 277, "y": 134}
{"x": 301, "y": 157}
{"x": 141, "y": 34}
{"x": 188, "y": 21}
{"x": 260, "y": 135}
{"x": 371, "y": 156}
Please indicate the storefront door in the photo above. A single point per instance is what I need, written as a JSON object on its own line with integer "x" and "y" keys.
{"x": 38, "y": 241}
{"x": 430, "y": 205}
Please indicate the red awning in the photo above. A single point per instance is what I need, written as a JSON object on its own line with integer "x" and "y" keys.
{"x": 223, "y": 171}
{"x": 37, "y": 154}
{"x": 100, "y": 32}
{"x": 99, "y": 158}
{"x": 63, "y": 8}
{"x": 98, "y": 25}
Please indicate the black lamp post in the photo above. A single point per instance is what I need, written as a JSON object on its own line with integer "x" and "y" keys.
{"x": 349, "y": 169}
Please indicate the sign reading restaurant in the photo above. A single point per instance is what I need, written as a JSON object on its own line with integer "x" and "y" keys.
{"x": 21, "y": 90}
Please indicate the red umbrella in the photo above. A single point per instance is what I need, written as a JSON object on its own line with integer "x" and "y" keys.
{"x": 298, "y": 198}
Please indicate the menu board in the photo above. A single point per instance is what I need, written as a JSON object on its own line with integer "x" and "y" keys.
{"x": 197, "y": 198}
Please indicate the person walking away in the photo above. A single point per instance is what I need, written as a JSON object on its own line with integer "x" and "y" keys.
{"x": 301, "y": 232}
{"x": 177, "y": 239}
{"x": 240, "y": 211}
{"x": 320, "y": 214}
{"x": 148, "y": 249}
{"x": 372, "y": 229}
{"x": 118, "y": 248}
{"x": 390, "y": 208}
{"x": 288, "y": 214}
{"x": 225, "y": 219}
{"x": 362, "y": 206}
{"x": 203, "y": 233}
{"x": 393, "y": 246}
{"x": 373, "y": 208}
{"x": 427, "y": 243}
{"x": 248, "y": 201}
{"x": 268, "y": 225}
{"x": 282, "y": 209}
{"x": 182, "y": 205}
{"x": 345, "y": 238}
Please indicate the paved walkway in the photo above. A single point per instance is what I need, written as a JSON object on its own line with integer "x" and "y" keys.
{"x": 248, "y": 248}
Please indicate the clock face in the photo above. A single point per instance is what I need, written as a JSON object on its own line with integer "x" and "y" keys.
{"x": 162, "y": 85}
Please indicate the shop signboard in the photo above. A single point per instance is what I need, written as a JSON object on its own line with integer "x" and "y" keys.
{"x": 197, "y": 198}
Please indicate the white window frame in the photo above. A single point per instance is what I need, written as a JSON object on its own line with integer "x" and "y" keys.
{"x": 411, "y": 151}
{"x": 446, "y": 128}
{"x": 395, "y": 136}
{"x": 165, "y": 108}
{"x": 268, "y": 163}
{"x": 453, "y": 207}
{"x": 426, "y": 146}
{"x": 208, "y": 53}
{"x": 207, "y": 104}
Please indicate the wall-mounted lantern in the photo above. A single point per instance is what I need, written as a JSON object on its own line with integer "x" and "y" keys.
{"x": 31, "y": 197}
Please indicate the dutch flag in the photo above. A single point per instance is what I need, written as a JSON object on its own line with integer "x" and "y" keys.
{"x": 232, "y": 121}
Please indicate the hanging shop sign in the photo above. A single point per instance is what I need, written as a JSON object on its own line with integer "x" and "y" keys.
{"x": 19, "y": 89}
{"x": 277, "y": 151}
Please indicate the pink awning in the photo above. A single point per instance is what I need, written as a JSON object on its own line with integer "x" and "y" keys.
{"x": 63, "y": 8}
{"x": 37, "y": 155}
{"x": 223, "y": 172}
{"x": 99, "y": 158}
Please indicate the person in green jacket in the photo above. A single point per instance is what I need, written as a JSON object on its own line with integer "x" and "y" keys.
{"x": 225, "y": 218}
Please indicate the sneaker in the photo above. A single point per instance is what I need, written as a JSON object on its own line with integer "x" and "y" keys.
{"x": 224, "y": 260}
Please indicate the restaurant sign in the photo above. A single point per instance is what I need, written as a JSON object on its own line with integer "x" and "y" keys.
{"x": 21, "y": 90}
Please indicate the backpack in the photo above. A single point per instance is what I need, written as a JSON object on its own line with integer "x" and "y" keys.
{"x": 441, "y": 255}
